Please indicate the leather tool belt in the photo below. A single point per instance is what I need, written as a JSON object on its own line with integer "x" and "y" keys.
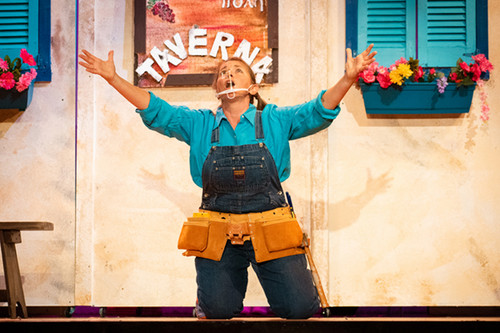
{"x": 274, "y": 234}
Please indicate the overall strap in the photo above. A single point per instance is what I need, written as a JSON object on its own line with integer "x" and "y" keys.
{"x": 215, "y": 135}
{"x": 259, "y": 132}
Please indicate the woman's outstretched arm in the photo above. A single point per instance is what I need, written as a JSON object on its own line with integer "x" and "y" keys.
{"x": 106, "y": 69}
{"x": 353, "y": 67}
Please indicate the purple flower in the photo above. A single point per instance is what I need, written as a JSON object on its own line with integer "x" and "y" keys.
{"x": 442, "y": 82}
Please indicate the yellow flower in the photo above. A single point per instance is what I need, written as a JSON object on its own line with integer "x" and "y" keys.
{"x": 396, "y": 77}
{"x": 404, "y": 70}
{"x": 401, "y": 72}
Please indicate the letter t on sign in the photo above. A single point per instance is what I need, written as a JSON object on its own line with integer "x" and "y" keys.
{"x": 146, "y": 66}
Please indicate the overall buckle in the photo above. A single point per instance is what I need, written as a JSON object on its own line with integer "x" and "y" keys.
{"x": 236, "y": 231}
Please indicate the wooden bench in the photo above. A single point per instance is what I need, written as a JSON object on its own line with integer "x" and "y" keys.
{"x": 10, "y": 235}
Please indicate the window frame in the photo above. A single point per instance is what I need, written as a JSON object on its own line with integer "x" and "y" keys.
{"x": 43, "y": 61}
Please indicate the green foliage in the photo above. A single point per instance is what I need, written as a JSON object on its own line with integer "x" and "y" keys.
{"x": 151, "y": 3}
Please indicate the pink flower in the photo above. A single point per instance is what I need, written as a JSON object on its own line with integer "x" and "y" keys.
{"x": 401, "y": 61}
{"x": 4, "y": 65}
{"x": 382, "y": 70}
{"x": 483, "y": 62}
{"x": 7, "y": 81}
{"x": 368, "y": 76}
{"x": 453, "y": 77}
{"x": 465, "y": 67}
{"x": 432, "y": 71}
{"x": 27, "y": 58}
{"x": 384, "y": 79}
{"x": 23, "y": 83}
{"x": 419, "y": 73}
{"x": 485, "y": 109}
{"x": 25, "y": 80}
{"x": 476, "y": 72}
{"x": 373, "y": 67}
{"x": 21, "y": 87}
{"x": 485, "y": 112}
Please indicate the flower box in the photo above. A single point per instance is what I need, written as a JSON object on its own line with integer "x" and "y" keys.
{"x": 16, "y": 84}
{"x": 416, "y": 98}
{"x": 12, "y": 99}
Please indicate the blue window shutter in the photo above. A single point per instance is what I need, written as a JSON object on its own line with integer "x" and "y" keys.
{"x": 390, "y": 26}
{"x": 446, "y": 31}
{"x": 18, "y": 27}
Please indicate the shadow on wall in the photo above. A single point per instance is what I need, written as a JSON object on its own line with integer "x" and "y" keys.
{"x": 356, "y": 106}
{"x": 351, "y": 207}
{"x": 470, "y": 121}
{"x": 187, "y": 201}
{"x": 7, "y": 118}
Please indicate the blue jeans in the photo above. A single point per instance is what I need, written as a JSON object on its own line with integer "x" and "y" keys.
{"x": 287, "y": 283}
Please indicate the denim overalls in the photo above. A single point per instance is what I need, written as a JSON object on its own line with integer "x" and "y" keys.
{"x": 241, "y": 179}
{"x": 244, "y": 179}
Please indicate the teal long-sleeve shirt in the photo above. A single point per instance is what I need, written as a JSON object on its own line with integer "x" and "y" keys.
{"x": 280, "y": 124}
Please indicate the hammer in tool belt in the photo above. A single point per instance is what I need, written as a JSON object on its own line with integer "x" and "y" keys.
{"x": 312, "y": 266}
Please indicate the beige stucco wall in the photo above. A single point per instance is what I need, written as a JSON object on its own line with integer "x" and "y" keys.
{"x": 37, "y": 172}
{"x": 401, "y": 211}
{"x": 413, "y": 203}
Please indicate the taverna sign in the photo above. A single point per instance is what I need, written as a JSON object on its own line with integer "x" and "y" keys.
{"x": 175, "y": 52}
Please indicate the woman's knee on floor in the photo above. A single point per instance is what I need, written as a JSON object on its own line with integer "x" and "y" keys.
{"x": 298, "y": 309}
{"x": 220, "y": 310}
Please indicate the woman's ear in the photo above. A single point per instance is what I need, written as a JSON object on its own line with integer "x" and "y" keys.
{"x": 253, "y": 89}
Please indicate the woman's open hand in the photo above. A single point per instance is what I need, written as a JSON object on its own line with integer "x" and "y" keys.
{"x": 354, "y": 66}
{"x": 106, "y": 68}
{"x": 94, "y": 65}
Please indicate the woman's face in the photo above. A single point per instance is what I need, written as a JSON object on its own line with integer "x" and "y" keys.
{"x": 233, "y": 74}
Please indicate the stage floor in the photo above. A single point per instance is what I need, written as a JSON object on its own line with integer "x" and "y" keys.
{"x": 254, "y": 319}
{"x": 271, "y": 325}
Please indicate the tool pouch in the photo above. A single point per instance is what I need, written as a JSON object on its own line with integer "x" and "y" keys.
{"x": 194, "y": 234}
{"x": 282, "y": 235}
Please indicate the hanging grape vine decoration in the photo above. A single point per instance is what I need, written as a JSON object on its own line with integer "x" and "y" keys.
{"x": 162, "y": 9}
